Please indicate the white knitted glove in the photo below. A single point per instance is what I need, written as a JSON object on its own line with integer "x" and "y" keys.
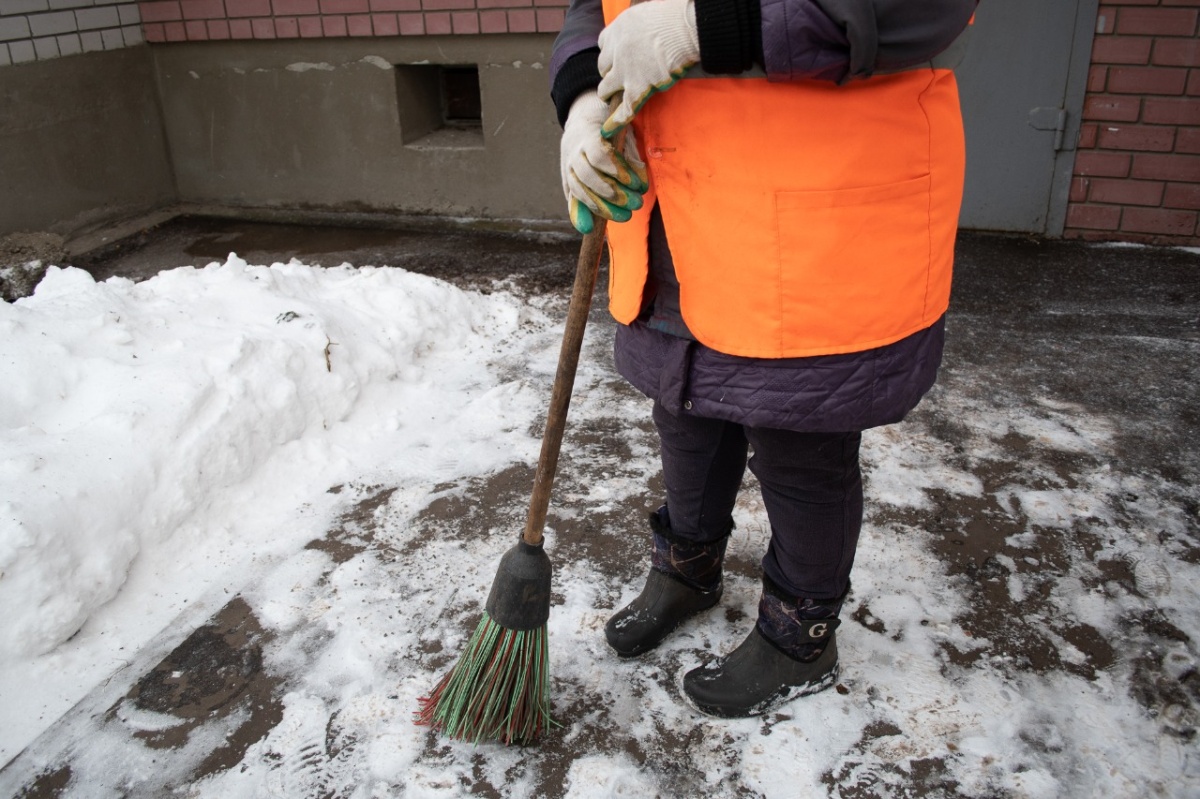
{"x": 645, "y": 50}
{"x": 596, "y": 178}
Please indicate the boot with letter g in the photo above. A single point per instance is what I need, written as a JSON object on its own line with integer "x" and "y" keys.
{"x": 791, "y": 652}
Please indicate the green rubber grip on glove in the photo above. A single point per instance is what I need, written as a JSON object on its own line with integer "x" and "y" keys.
{"x": 629, "y": 184}
{"x": 583, "y": 218}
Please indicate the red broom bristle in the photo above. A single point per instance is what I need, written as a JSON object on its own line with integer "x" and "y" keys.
{"x": 498, "y": 690}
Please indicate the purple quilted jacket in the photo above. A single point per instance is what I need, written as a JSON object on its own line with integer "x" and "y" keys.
{"x": 829, "y": 40}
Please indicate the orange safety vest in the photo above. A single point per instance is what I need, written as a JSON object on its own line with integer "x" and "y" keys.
{"x": 804, "y": 218}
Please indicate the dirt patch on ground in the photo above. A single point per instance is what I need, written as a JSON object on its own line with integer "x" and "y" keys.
{"x": 20, "y": 248}
{"x": 23, "y": 261}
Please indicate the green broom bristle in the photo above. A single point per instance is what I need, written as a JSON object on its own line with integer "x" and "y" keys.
{"x": 498, "y": 690}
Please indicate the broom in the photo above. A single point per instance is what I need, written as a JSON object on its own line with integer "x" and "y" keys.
{"x": 500, "y": 687}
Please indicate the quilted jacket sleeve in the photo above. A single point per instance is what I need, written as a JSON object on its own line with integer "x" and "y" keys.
{"x": 841, "y": 39}
{"x": 573, "y": 60}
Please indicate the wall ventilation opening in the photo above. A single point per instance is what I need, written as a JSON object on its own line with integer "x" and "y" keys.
{"x": 440, "y": 105}
{"x": 461, "y": 106}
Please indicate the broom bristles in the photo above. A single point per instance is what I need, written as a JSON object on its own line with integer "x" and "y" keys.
{"x": 498, "y": 690}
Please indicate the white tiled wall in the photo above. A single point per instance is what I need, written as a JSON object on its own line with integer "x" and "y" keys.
{"x": 34, "y": 30}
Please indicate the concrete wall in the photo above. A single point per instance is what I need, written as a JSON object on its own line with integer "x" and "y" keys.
{"x": 321, "y": 125}
{"x": 81, "y": 142}
{"x": 297, "y": 106}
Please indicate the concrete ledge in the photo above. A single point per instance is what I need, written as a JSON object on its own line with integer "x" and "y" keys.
{"x": 96, "y": 241}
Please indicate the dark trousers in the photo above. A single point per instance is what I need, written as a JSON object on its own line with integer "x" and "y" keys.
{"x": 811, "y": 487}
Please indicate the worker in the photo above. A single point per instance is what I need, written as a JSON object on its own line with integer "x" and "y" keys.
{"x": 785, "y": 179}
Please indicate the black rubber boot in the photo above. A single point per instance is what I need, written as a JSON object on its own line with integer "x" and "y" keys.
{"x": 663, "y": 605}
{"x": 791, "y": 652}
{"x": 757, "y": 677}
{"x": 684, "y": 579}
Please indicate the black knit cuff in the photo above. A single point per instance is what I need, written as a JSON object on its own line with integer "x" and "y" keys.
{"x": 730, "y": 33}
{"x": 578, "y": 74}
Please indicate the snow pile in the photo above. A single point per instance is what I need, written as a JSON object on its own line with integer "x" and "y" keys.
{"x": 126, "y": 410}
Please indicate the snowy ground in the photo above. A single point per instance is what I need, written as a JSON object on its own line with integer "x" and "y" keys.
{"x": 249, "y": 514}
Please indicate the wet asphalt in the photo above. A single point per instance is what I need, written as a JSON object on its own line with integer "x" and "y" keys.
{"x": 1112, "y": 331}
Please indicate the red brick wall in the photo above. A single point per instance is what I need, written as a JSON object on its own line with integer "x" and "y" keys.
{"x": 203, "y": 20}
{"x": 1137, "y": 170}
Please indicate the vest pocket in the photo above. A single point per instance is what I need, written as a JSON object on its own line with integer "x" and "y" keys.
{"x": 853, "y": 264}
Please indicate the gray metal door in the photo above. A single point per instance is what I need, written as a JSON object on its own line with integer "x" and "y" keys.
{"x": 1022, "y": 83}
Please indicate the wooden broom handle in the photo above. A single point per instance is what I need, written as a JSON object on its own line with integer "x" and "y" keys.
{"x": 586, "y": 270}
